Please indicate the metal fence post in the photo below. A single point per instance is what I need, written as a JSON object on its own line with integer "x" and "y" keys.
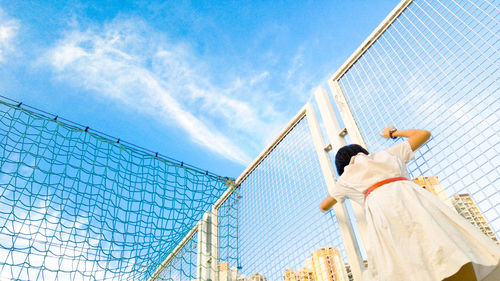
{"x": 337, "y": 140}
{"x": 345, "y": 225}
{"x": 207, "y": 265}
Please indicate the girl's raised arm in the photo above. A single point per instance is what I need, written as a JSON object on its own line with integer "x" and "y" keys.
{"x": 415, "y": 137}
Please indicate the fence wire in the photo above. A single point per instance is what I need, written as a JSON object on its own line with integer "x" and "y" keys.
{"x": 228, "y": 214}
{"x": 276, "y": 207}
{"x": 184, "y": 265}
{"x": 436, "y": 68}
{"x": 76, "y": 206}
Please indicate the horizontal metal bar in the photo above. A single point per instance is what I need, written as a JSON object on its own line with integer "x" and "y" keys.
{"x": 172, "y": 254}
{"x": 272, "y": 145}
{"x": 296, "y": 119}
{"x": 371, "y": 39}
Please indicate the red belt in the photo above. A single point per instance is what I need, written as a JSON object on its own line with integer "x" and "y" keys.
{"x": 380, "y": 183}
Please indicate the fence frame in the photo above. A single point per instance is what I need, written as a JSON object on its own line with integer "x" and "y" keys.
{"x": 381, "y": 28}
{"x": 339, "y": 97}
{"x": 206, "y": 249}
{"x": 345, "y": 225}
{"x": 175, "y": 251}
{"x": 346, "y": 114}
{"x": 207, "y": 267}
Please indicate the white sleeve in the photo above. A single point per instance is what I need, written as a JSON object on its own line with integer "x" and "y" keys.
{"x": 336, "y": 192}
{"x": 402, "y": 151}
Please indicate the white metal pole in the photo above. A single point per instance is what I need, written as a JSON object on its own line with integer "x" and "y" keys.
{"x": 346, "y": 113}
{"x": 332, "y": 126}
{"x": 346, "y": 229}
{"x": 200, "y": 257}
{"x": 333, "y": 131}
{"x": 215, "y": 244}
{"x": 207, "y": 249}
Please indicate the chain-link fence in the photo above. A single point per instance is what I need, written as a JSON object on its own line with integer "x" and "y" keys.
{"x": 271, "y": 226}
{"x": 434, "y": 66}
{"x": 183, "y": 265}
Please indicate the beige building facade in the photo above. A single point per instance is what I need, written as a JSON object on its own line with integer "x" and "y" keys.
{"x": 433, "y": 185}
{"x": 257, "y": 277}
{"x": 329, "y": 265}
{"x": 467, "y": 208}
{"x": 462, "y": 203}
{"x": 227, "y": 273}
{"x": 326, "y": 264}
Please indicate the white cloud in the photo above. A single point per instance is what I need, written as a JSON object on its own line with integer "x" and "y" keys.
{"x": 53, "y": 253}
{"x": 126, "y": 61}
{"x": 297, "y": 63}
{"x": 8, "y": 31}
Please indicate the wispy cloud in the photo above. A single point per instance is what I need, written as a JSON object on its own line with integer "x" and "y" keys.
{"x": 8, "y": 31}
{"x": 124, "y": 60}
{"x": 297, "y": 63}
{"x": 54, "y": 254}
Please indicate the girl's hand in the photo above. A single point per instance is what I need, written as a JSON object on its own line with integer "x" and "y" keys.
{"x": 415, "y": 137}
{"x": 328, "y": 203}
{"x": 385, "y": 132}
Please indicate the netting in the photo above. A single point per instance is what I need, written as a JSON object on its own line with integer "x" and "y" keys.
{"x": 273, "y": 218}
{"x": 436, "y": 68}
{"x": 77, "y": 206}
{"x": 184, "y": 265}
{"x": 228, "y": 230}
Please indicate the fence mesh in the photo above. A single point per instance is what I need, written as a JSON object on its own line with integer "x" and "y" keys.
{"x": 228, "y": 230}
{"x": 436, "y": 67}
{"x": 183, "y": 266}
{"x": 276, "y": 207}
{"x": 76, "y": 206}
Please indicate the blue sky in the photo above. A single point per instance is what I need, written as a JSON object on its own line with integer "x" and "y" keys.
{"x": 209, "y": 83}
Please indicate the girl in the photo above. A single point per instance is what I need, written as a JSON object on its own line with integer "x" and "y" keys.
{"x": 412, "y": 235}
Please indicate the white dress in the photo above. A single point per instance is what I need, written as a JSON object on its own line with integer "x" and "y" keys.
{"x": 412, "y": 235}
